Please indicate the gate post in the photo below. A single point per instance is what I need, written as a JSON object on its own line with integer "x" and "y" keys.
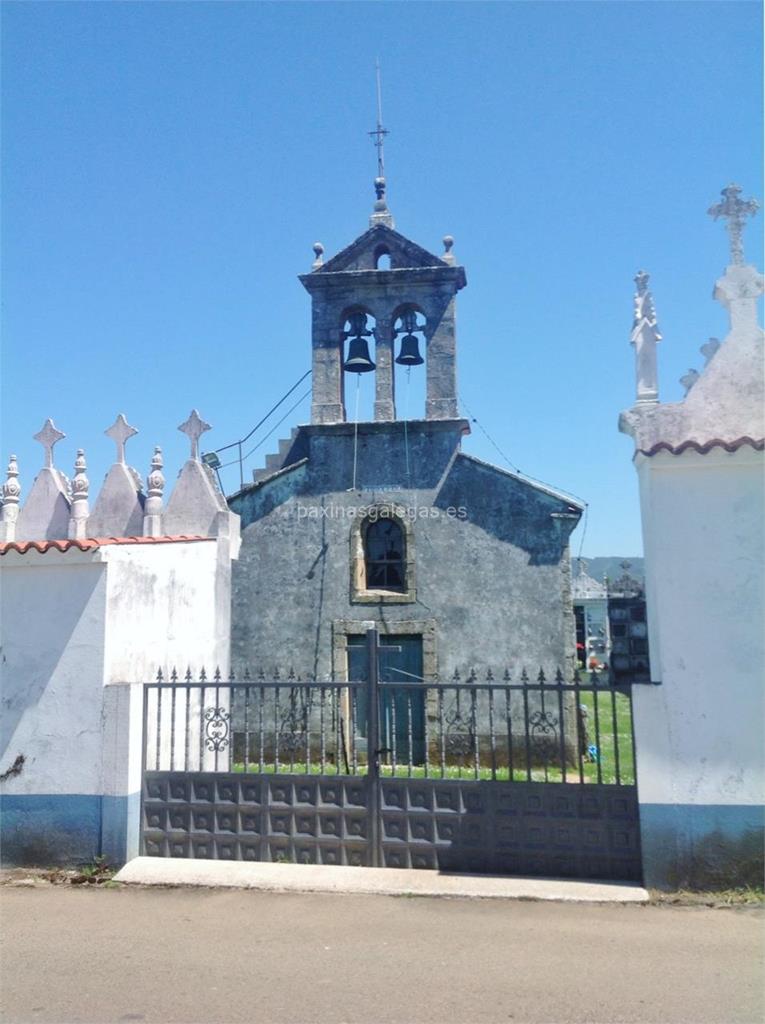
{"x": 373, "y": 746}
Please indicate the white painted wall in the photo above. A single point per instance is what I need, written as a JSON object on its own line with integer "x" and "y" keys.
{"x": 699, "y": 734}
{"x": 53, "y": 624}
{"x": 166, "y": 606}
{"x": 79, "y": 631}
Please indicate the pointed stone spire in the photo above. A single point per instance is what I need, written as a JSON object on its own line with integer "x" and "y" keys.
{"x": 11, "y": 496}
{"x": 118, "y": 510}
{"x": 645, "y": 336}
{"x": 45, "y": 515}
{"x": 196, "y": 504}
{"x": 80, "y": 510}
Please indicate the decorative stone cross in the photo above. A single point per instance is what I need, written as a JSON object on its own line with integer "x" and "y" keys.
{"x": 193, "y": 428}
{"x": 120, "y": 432}
{"x": 735, "y": 210}
{"x": 47, "y": 437}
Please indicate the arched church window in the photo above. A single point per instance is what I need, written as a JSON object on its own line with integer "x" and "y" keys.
{"x": 382, "y": 557}
{"x": 385, "y": 555}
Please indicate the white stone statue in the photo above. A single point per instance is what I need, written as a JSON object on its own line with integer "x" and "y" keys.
{"x": 645, "y": 335}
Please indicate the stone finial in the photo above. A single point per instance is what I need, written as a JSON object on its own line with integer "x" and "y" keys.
{"x": 152, "y": 510}
{"x": 735, "y": 210}
{"x": 79, "y": 510}
{"x": 380, "y": 212}
{"x": 448, "y": 256}
{"x": 645, "y": 336}
{"x": 48, "y": 436}
{"x": 708, "y": 350}
{"x": 11, "y": 496}
{"x": 193, "y": 428}
{"x": 120, "y": 432}
{"x": 689, "y": 379}
{"x": 318, "y": 251}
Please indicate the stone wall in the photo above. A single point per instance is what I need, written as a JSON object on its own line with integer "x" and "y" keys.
{"x": 490, "y": 552}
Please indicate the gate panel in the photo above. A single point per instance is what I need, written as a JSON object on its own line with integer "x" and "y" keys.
{"x": 530, "y": 778}
{"x": 230, "y": 816}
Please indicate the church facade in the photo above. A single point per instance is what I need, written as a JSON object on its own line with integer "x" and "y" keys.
{"x": 389, "y": 522}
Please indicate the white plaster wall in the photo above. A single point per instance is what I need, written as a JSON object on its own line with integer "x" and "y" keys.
{"x": 167, "y": 605}
{"x": 74, "y": 622}
{"x": 699, "y": 734}
{"x": 53, "y": 613}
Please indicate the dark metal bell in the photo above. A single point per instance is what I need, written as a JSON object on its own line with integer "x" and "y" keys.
{"x": 358, "y": 360}
{"x": 410, "y": 352}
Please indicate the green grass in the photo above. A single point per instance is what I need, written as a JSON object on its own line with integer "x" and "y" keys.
{"x": 612, "y": 735}
{"x": 604, "y": 770}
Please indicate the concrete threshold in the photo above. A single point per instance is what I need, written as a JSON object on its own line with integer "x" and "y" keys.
{"x": 314, "y": 878}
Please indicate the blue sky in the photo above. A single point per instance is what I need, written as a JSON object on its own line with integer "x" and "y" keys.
{"x": 168, "y": 167}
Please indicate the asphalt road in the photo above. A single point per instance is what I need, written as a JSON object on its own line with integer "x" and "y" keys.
{"x": 214, "y": 957}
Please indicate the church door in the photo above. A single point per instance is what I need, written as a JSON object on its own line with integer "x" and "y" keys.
{"x": 401, "y": 710}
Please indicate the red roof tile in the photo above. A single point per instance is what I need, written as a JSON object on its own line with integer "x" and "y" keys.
{"x": 90, "y": 543}
{"x": 703, "y": 449}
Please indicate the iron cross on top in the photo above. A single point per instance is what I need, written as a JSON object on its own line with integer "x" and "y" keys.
{"x": 735, "y": 210}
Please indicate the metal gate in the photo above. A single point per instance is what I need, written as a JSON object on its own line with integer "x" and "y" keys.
{"x": 489, "y": 776}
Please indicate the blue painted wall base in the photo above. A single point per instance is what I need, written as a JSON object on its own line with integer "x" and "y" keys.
{"x": 702, "y": 846}
{"x": 66, "y": 829}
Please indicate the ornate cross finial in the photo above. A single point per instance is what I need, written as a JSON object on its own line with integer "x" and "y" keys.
{"x": 735, "y": 210}
{"x": 48, "y": 436}
{"x": 12, "y": 487}
{"x": 120, "y": 431}
{"x": 156, "y": 479}
{"x": 193, "y": 428}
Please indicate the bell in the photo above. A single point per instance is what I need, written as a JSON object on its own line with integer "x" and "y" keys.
{"x": 358, "y": 360}
{"x": 410, "y": 352}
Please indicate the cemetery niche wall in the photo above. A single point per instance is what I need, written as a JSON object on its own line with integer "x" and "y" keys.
{"x": 93, "y": 603}
{"x": 700, "y": 468}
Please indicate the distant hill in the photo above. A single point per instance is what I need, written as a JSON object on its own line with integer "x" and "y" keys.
{"x": 610, "y": 565}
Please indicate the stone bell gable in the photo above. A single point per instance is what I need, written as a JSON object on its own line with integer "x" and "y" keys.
{"x": 380, "y": 240}
{"x": 414, "y": 296}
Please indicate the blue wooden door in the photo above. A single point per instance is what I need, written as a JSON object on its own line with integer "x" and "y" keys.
{"x": 402, "y": 708}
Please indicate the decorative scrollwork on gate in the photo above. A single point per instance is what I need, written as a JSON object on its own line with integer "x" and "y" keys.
{"x": 543, "y": 723}
{"x": 293, "y": 727}
{"x": 460, "y": 737}
{"x": 217, "y": 728}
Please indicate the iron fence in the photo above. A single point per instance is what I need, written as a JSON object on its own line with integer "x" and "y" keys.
{"x": 549, "y": 729}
